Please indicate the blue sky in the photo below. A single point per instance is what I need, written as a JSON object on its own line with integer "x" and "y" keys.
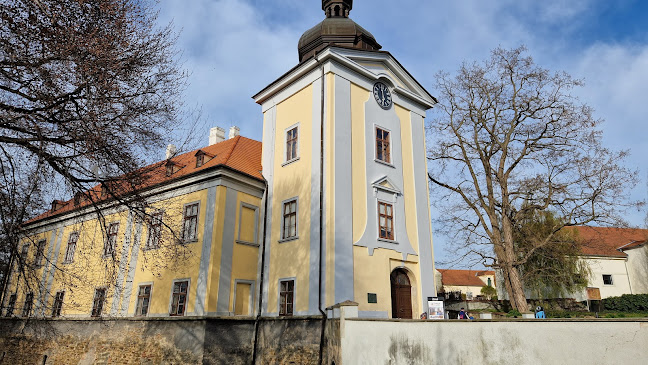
{"x": 234, "y": 48}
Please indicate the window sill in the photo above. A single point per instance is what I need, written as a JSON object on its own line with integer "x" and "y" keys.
{"x": 290, "y": 161}
{"x": 253, "y": 244}
{"x": 183, "y": 242}
{"x": 384, "y": 163}
{"x": 294, "y": 238}
{"x": 387, "y": 240}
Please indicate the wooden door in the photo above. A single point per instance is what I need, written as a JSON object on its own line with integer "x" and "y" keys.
{"x": 401, "y": 295}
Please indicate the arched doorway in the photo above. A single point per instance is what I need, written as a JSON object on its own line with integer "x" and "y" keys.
{"x": 401, "y": 291}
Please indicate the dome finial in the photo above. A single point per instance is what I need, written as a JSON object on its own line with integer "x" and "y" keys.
{"x": 337, "y": 8}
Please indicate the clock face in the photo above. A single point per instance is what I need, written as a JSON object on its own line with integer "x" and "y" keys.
{"x": 382, "y": 95}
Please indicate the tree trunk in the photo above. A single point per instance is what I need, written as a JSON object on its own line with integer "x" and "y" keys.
{"x": 516, "y": 288}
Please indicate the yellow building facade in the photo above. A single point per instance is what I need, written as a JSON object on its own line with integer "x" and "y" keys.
{"x": 332, "y": 206}
{"x": 194, "y": 250}
{"x": 344, "y": 158}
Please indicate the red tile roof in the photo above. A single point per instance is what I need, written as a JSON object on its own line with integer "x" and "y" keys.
{"x": 238, "y": 153}
{"x": 608, "y": 241}
{"x": 463, "y": 277}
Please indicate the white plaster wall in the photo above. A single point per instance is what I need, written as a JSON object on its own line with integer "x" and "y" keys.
{"x": 609, "y": 266}
{"x": 638, "y": 269}
{"x": 476, "y": 290}
{"x": 494, "y": 342}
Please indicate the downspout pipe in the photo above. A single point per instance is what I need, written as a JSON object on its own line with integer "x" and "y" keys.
{"x": 262, "y": 252}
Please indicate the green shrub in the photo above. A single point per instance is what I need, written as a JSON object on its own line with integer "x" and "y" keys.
{"x": 627, "y": 303}
{"x": 514, "y": 313}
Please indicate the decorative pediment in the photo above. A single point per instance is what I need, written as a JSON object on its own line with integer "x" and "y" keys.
{"x": 385, "y": 184}
{"x": 383, "y": 66}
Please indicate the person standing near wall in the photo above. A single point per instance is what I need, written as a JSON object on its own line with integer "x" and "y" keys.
{"x": 540, "y": 312}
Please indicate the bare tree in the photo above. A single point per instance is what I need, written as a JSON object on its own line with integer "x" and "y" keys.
{"x": 509, "y": 140}
{"x": 89, "y": 91}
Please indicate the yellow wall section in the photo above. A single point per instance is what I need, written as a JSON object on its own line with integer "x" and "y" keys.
{"x": 359, "y": 97}
{"x": 245, "y": 257}
{"x": 171, "y": 261}
{"x": 216, "y": 250}
{"x": 372, "y": 275}
{"x": 408, "y": 176}
{"x": 291, "y": 258}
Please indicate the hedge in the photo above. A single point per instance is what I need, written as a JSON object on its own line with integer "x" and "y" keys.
{"x": 627, "y": 303}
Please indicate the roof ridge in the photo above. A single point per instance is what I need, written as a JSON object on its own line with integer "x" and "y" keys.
{"x": 231, "y": 151}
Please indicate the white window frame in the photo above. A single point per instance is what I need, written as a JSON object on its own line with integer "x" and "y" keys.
{"x": 285, "y": 145}
{"x": 393, "y": 219}
{"x": 281, "y": 234}
{"x": 185, "y": 313}
{"x": 391, "y": 145}
{"x": 149, "y": 283}
{"x": 39, "y": 256}
{"x": 67, "y": 248}
{"x": 147, "y": 245}
{"x": 251, "y": 299}
{"x": 103, "y": 305}
{"x": 107, "y": 243}
{"x": 294, "y": 303}
{"x": 184, "y": 212}
{"x": 611, "y": 279}
{"x": 242, "y": 206}
{"x": 54, "y": 303}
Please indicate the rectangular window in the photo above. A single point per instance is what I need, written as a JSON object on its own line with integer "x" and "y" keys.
{"x": 286, "y": 297}
{"x": 190, "y": 226}
{"x": 29, "y": 302}
{"x": 382, "y": 145}
{"x": 11, "y": 305}
{"x": 200, "y": 160}
{"x": 179, "y": 298}
{"x": 154, "y": 231}
{"x": 291, "y": 144}
{"x": 111, "y": 239}
{"x": 289, "y": 219}
{"x": 23, "y": 253}
{"x": 40, "y": 253}
{"x": 607, "y": 279}
{"x": 98, "y": 302}
{"x": 386, "y": 221}
{"x": 143, "y": 300}
{"x": 58, "y": 304}
{"x": 71, "y": 247}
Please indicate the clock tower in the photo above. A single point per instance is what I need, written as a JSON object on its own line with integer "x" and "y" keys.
{"x": 344, "y": 156}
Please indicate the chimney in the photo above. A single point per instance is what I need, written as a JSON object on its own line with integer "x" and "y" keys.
{"x": 171, "y": 151}
{"x": 234, "y": 131}
{"x": 216, "y": 135}
{"x": 57, "y": 204}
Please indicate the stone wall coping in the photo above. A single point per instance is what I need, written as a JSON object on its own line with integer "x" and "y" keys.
{"x": 346, "y": 303}
{"x": 550, "y": 320}
{"x": 163, "y": 319}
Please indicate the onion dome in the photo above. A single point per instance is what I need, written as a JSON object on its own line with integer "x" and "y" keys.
{"x": 337, "y": 29}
